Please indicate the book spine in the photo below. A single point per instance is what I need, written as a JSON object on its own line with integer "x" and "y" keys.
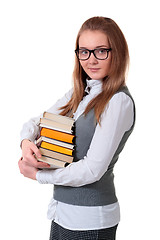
{"x": 56, "y": 155}
{"x": 56, "y": 128}
{"x": 54, "y": 163}
{"x": 59, "y": 118}
{"x": 55, "y": 142}
{"x": 56, "y": 148}
{"x": 50, "y": 133}
{"x": 56, "y": 125}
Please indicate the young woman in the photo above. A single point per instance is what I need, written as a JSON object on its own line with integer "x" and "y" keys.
{"x": 84, "y": 205}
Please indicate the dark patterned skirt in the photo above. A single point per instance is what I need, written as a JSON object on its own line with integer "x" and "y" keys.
{"x": 60, "y": 233}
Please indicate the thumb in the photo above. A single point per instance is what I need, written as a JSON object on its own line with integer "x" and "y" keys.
{"x": 36, "y": 150}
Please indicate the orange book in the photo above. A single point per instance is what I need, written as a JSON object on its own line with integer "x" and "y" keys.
{"x": 50, "y": 133}
{"x": 56, "y": 148}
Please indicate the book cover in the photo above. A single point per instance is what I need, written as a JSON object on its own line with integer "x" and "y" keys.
{"x": 59, "y": 118}
{"x": 47, "y": 123}
{"x": 56, "y": 148}
{"x": 54, "y": 163}
{"x": 50, "y": 133}
{"x": 56, "y": 155}
{"x": 53, "y": 141}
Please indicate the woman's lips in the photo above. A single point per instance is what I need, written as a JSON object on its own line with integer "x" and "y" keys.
{"x": 94, "y": 69}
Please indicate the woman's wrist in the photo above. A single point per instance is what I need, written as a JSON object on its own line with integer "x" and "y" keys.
{"x": 24, "y": 141}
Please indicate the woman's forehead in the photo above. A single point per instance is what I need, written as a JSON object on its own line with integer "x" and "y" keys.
{"x": 92, "y": 39}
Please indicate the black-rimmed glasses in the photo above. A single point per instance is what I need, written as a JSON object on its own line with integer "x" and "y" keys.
{"x": 99, "y": 53}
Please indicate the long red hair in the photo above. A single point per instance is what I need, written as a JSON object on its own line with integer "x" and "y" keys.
{"x": 117, "y": 73}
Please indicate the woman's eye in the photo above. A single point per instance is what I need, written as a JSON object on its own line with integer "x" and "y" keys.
{"x": 102, "y": 51}
{"x": 83, "y": 52}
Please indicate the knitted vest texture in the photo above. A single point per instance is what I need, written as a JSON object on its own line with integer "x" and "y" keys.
{"x": 101, "y": 192}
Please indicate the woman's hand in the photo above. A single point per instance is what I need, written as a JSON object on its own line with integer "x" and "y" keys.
{"x": 27, "y": 170}
{"x": 28, "y": 164}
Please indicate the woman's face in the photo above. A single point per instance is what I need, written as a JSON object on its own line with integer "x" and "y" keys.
{"x": 95, "y": 68}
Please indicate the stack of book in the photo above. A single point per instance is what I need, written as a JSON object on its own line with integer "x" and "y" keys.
{"x": 56, "y": 141}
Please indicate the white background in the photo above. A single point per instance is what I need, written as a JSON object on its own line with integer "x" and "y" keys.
{"x": 37, "y": 40}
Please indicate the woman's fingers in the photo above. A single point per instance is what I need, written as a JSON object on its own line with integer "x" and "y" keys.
{"x": 31, "y": 153}
{"x": 27, "y": 170}
{"x": 35, "y": 150}
{"x": 32, "y": 160}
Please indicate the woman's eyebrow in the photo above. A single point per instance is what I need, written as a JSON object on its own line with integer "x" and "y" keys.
{"x": 101, "y": 46}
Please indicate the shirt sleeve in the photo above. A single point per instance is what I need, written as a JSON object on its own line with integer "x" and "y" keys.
{"x": 115, "y": 121}
{"x": 30, "y": 129}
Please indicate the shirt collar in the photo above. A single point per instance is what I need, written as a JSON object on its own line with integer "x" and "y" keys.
{"x": 93, "y": 86}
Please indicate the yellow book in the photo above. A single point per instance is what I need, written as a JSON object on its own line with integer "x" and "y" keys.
{"x": 56, "y": 155}
{"x": 56, "y": 148}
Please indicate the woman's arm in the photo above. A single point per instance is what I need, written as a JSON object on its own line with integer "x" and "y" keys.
{"x": 116, "y": 120}
{"x": 28, "y": 164}
{"x": 30, "y": 129}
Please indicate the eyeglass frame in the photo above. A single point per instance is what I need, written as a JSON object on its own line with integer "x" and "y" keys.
{"x": 92, "y": 51}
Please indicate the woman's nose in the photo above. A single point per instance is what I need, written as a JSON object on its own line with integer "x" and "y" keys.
{"x": 92, "y": 59}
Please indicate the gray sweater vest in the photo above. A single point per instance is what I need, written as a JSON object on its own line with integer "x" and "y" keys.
{"x": 101, "y": 192}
